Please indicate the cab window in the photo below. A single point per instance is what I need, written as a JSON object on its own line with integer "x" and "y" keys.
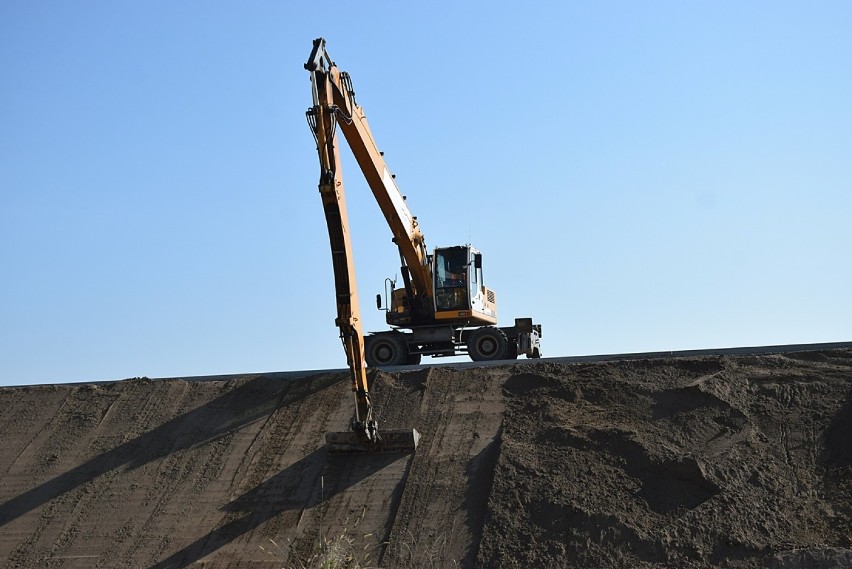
{"x": 451, "y": 278}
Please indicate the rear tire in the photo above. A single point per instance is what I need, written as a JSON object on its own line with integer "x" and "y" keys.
{"x": 486, "y": 344}
{"x": 385, "y": 350}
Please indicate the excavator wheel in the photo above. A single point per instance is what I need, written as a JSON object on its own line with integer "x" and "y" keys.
{"x": 487, "y": 343}
{"x": 388, "y": 349}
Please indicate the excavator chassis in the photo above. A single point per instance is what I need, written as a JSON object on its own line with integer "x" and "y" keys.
{"x": 398, "y": 347}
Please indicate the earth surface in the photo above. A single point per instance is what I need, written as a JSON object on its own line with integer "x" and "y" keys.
{"x": 711, "y": 461}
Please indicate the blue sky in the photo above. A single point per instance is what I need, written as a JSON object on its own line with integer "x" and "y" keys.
{"x": 638, "y": 175}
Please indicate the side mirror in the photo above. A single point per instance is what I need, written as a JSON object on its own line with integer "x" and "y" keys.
{"x": 379, "y": 301}
{"x": 477, "y": 260}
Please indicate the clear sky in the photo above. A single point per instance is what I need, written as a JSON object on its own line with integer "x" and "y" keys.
{"x": 638, "y": 175}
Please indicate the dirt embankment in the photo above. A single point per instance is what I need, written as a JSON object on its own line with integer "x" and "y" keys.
{"x": 734, "y": 462}
{"x": 708, "y": 462}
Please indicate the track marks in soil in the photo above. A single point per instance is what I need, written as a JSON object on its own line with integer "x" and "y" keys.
{"x": 138, "y": 458}
{"x": 268, "y": 488}
{"x": 441, "y": 513}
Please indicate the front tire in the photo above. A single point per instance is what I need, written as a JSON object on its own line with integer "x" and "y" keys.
{"x": 487, "y": 344}
{"x": 384, "y": 350}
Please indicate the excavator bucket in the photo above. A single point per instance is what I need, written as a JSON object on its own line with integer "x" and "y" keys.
{"x": 349, "y": 442}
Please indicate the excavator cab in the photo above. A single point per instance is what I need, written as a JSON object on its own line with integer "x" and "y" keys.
{"x": 460, "y": 293}
{"x": 460, "y": 297}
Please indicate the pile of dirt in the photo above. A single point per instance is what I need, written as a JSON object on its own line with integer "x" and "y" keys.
{"x": 733, "y": 462}
{"x": 741, "y": 461}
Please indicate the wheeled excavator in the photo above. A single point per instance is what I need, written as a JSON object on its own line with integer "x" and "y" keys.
{"x": 443, "y": 307}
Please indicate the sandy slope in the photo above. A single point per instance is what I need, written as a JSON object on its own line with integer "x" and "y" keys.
{"x": 739, "y": 461}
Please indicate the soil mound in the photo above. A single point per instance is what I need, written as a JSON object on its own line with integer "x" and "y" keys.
{"x": 734, "y": 462}
{"x": 728, "y": 461}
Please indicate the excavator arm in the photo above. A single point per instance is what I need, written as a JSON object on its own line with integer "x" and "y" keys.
{"x": 324, "y": 117}
{"x": 323, "y": 121}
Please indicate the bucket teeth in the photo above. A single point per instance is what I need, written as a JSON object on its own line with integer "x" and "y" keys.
{"x": 402, "y": 441}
